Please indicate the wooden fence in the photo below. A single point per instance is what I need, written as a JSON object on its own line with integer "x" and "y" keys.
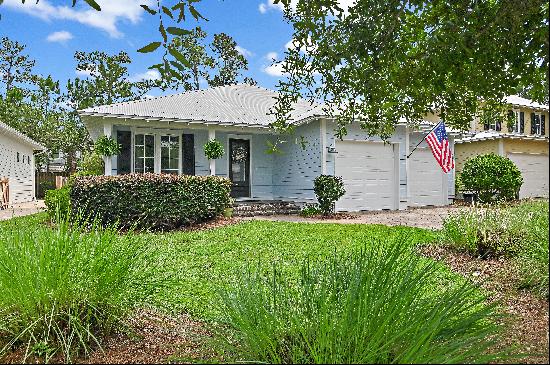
{"x": 4, "y": 193}
{"x": 49, "y": 180}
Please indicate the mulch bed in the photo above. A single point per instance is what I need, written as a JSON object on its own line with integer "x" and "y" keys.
{"x": 333, "y": 216}
{"x": 527, "y": 323}
{"x": 153, "y": 337}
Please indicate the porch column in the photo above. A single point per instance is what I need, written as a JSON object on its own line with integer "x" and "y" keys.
{"x": 323, "y": 146}
{"x": 108, "y": 131}
{"x": 211, "y": 136}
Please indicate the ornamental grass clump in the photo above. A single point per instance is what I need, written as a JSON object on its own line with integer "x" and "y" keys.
{"x": 381, "y": 305}
{"x": 64, "y": 289}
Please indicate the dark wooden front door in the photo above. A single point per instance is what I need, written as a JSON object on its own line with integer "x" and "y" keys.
{"x": 239, "y": 167}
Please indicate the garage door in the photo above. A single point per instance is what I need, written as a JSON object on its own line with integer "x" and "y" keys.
{"x": 534, "y": 169}
{"x": 425, "y": 179}
{"x": 367, "y": 169}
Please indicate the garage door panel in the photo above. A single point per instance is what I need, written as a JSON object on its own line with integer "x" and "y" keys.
{"x": 425, "y": 179}
{"x": 534, "y": 170}
{"x": 367, "y": 170}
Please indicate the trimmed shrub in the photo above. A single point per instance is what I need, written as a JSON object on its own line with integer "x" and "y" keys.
{"x": 58, "y": 202}
{"x": 491, "y": 178}
{"x": 328, "y": 189}
{"x": 380, "y": 306}
{"x": 150, "y": 201}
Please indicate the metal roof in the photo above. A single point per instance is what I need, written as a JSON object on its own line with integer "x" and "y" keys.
{"x": 516, "y": 100}
{"x": 235, "y": 105}
{"x": 14, "y": 133}
{"x": 492, "y": 135}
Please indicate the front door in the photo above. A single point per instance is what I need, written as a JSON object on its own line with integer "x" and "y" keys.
{"x": 239, "y": 167}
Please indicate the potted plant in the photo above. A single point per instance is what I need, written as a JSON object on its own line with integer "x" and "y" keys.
{"x": 228, "y": 212}
{"x": 106, "y": 146}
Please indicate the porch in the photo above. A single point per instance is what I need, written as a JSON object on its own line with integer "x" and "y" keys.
{"x": 178, "y": 148}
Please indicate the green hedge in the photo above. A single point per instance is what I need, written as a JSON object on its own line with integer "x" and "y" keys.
{"x": 150, "y": 201}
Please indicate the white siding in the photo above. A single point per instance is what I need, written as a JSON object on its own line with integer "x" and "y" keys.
{"x": 295, "y": 168}
{"x": 20, "y": 174}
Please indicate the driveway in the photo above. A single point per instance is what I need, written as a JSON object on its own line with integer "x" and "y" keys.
{"x": 19, "y": 210}
{"x": 415, "y": 217}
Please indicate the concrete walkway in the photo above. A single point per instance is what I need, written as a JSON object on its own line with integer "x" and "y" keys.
{"x": 19, "y": 210}
{"x": 416, "y": 217}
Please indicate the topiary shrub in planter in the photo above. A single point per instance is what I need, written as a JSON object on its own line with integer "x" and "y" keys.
{"x": 213, "y": 149}
{"x": 491, "y": 178}
{"x": 328, "y": 189}
{"x": 150, "y": 201}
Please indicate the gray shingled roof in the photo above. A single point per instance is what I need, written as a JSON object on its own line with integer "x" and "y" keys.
{"x": 236, "y": 104}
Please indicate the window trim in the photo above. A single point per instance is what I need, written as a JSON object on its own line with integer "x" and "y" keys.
{"x": 178, "y": 155}
{"x": 538, "y": 127}
{"x": 144, "y": 157}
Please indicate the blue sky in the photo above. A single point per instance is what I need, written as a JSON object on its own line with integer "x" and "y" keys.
{"x": 53, "y": 31}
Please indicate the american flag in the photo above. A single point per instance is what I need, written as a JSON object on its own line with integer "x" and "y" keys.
{"x": 439, "y": 144}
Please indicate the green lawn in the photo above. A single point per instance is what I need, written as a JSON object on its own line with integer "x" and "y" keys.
{"x": 199, "y": 263}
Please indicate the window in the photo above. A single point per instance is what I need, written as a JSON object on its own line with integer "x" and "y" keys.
{"x": 169, "y": 154}
{"x": 538, "y": 123}
{"x": 492, "y": 122}
{"x": 18, "y": 157}
{"x": 144, "y": 153}
{"x": 517, "y": 121}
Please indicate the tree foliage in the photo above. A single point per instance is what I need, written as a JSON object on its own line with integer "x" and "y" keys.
{"x": 218, "y": 63}
{"x": 381, "y": 61}
{"x": 229, "y": 62}
{"x": 15, "y": 67}
{"x": 198, "y": 62}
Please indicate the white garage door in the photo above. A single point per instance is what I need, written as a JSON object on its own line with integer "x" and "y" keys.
{"x": 534, "y": 169}
{"x": 367, "y": 169}
{"x": 425, "y": 179}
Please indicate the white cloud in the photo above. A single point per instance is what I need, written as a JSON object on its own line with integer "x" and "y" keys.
{"x": 112, "y": 12}
{"x": 270, "y": 5}
{"x": 245, "y": 52}
{"x": 271, "y": 56}
{"x": 275, "y": 68}
{"x": 84, "y": 73}
{"x": 60, "y": 37}
{"x": 147, "y": 75}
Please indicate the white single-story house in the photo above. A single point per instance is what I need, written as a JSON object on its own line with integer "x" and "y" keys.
{"x": 17, "y": 163}
{"x": 166, "y": 135}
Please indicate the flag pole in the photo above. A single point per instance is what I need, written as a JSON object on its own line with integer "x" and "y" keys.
{"x": 423, "y": 139}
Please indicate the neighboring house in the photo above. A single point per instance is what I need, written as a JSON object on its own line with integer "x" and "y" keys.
{"x": 17, "y": 163}
{"x": 524, "y": 141}
{"x": 167, "y": 134}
